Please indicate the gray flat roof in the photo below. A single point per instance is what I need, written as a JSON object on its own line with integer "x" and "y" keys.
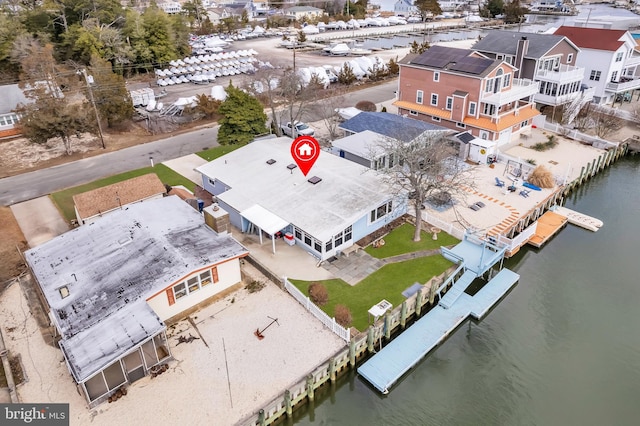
{"x": 362, "y": 144}
{"x": 125, "y": 257}
{"x": 347, "y": 190}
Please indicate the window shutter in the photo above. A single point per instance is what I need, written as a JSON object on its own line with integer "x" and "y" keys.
{"x": 170, "y": 296}
{"x": 214, "y": 273}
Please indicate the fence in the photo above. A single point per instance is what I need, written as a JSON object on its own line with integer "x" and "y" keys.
{"x": 344, "y": 359}
{"x": 328, "y": 322}
{"x": 574, "y": 134}
{"x": 447, "y": 227}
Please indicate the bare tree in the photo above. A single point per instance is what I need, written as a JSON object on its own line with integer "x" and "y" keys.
{"x": 606, "y": 121}
{"x": 265, "y": 86}
{"x": 424, "y": 168}
{"x": 326, "y": 108}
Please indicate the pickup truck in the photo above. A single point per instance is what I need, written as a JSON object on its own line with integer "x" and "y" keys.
{"x": 301, "y": 129}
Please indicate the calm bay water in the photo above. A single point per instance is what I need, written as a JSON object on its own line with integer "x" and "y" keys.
{"x": 563, "y": 348}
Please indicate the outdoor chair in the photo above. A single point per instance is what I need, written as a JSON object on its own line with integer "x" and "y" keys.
{"x": 474, "y": 207}
{"x": 480, "y": 204}
{"x": 525, "y": 193}
{"x": 499, "y": 182}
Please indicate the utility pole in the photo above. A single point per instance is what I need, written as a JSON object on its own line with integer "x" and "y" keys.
{"x": 93, "y": 103}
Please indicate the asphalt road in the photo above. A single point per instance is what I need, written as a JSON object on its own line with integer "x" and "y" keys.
{"x": 35, "y": 184}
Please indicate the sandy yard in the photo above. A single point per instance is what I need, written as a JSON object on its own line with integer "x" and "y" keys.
{"x": 220, "y": 378}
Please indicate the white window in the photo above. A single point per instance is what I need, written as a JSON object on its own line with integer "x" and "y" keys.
{"x": 413, "y": 112}
{"x": 436, "y": 119}
{"x": 499, "y": 56}
{"x": 489, "y": 86}
{"x": 507, "y": 80}
{"x": 488, "y": 109}
{"x": 524, "y": 124}
{"x": 436, "y": 76}
{"x": 569, "y": 58}
{"x": 619, "y": 56}
{"x": 472, "y": 108}
{"x": 419, "y": 96}
{"x": 595, "y": 75}
{"x": 434, "y": 99}
{"x": 461, "y": 125}
{"x": 614, "y": 76}
{"x": 449, "y": 103}
{"x": 377, "y": 214}
{"x": 484, "y": 134}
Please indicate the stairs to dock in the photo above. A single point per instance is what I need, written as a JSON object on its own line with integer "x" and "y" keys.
{"x": 457, "y": 289}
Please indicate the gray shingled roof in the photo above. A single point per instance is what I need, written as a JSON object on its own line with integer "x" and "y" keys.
{"x": 394, "y": 126}
{"x": 506, "y": 42}
{"x": 10, "y": 96}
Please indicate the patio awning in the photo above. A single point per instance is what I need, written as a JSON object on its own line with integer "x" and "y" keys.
{"x": 264, "y": 219}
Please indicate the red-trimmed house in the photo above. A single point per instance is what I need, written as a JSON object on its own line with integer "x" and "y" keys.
{"x": 110, "y": 288}
{"x": 464, "y": 90}
{"x": 610, "y": 59}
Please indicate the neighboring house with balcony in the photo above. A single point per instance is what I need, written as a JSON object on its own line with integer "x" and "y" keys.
{"x": 610, "y": 60}
{"x": 464, "y": 90}
{"x": 111, "y": 287}
{"x": 367, "y": 130}
{"x": 546, "y": 58}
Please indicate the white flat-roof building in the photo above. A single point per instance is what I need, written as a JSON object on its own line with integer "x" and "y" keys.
{"x": 335, "y": 205}
{"x": 110, "y": 287}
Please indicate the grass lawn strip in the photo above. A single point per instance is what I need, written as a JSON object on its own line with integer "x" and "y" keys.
{"x": 386, "y": 283}
{"x": 64, "y": 199}
{"x": 218, "y": 151}
{"x": 400, "y": 241}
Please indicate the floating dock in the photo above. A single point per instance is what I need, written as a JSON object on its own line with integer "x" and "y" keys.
{"x": 549, "y": 224}
{"x": 387, "y": 366}
{"x": 475, "y": 257}
{"x": 579, "y": 219}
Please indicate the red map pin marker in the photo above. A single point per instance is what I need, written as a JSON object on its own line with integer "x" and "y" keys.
{"x": 305, "y": 151}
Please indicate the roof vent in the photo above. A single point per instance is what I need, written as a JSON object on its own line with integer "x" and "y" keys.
{"x": 64, "y": 291}
{"x": 314, "y": 180}
{"x": 271, "y": 161}
{"x": 291, "y": 166}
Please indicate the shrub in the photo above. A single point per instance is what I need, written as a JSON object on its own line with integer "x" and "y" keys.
{"x": 342, "y": 315}
{"x": 542, "y": 177}
{"x": 543, "y": 146}
{"x": 366, "y": 106}
{"x": 318, "y": 293}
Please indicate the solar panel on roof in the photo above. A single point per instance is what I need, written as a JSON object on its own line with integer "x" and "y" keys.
{"x": 471, "y": 65}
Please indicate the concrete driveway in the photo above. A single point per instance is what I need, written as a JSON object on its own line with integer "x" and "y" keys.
{"x": 186, "y": 166}
{"x": 39, "y": 220}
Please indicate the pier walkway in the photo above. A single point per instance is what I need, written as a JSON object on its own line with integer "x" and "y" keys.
{"x": 387, "y": 366}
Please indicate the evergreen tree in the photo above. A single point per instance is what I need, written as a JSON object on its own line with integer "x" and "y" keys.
{"x": 242, "y": 119}
{"x": 514, "y": 12}
{"x": 346, "y": 75}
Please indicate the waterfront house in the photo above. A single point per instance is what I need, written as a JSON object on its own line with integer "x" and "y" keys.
{"x": 111, "y": 287}
{"x": 10, "y": 97}
{"x": 325, "y": 212}
{"x": 546, "y": 58}
{"x": 610, "y": 60}
{"x": 464, "y": 90}
{"x": 367, "y": 128}
{"x": 92, "y": 205}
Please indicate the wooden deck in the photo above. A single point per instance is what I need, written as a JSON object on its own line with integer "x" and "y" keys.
{"x": 549, "y": 224}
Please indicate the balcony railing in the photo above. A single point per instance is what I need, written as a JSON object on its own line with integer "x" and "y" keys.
{"x": 520, "y": 88}
{"x": 555, "y": 100}
{"x": 632, "y": 61}
{"x": 564, "y": 74}
{"x": 623, "y": 86}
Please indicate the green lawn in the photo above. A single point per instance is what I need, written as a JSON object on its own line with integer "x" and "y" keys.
{"x": 218, "y": 151}
{"x": 387, "y": 283}
{"x": 400, "y": 241}
{"x": 64, "y": 199}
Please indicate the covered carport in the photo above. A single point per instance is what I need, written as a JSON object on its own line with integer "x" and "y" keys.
{"x": 264, "y": 221}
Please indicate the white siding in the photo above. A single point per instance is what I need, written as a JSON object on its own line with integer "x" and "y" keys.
{"x": 228, "y": 274}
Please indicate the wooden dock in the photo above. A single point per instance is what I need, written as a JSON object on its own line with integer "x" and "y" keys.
{"x": 548, "y": 225}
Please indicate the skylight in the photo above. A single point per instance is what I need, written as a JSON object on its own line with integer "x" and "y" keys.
{"x": 314, "y": 180}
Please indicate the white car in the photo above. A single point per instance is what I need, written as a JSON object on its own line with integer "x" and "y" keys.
{"x": 301, "y": 129}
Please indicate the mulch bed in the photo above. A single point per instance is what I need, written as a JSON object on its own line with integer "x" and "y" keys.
{"x": 383, "y": 231}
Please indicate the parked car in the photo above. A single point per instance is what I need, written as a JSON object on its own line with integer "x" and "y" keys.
{"x": 301, "y": 129}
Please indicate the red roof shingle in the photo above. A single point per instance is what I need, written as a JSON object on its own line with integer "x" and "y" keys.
{"x": 593, "y": 38}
